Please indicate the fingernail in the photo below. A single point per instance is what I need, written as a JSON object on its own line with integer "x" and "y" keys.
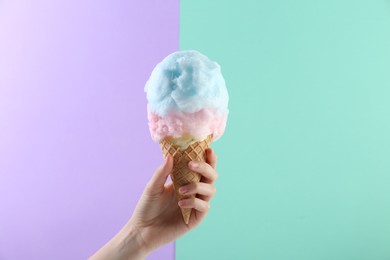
{"x": 183, "y": 190}
{"x": 181, "y": 203}
{"x": 194, "y": 165}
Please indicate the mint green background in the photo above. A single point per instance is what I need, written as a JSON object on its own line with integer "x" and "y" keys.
{"x": 305, "y": 161}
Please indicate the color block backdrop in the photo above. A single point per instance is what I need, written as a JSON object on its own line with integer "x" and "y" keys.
{"x": 305, "y": 161}
{"x": 304, "y": 164}
{"x": 75, "y": 151}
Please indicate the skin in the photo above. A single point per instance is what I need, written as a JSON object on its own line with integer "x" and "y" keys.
{"x": 157, "y": 219}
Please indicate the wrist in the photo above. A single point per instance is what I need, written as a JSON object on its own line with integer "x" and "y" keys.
{"x": 131, "y": 244}
{"x": 126, "y": 245}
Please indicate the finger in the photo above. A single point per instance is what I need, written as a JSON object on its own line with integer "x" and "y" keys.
{"x": 200, "y": 188}
{"x": 211, "y": 158}
{"x": 204, "y": 169}
{"x": 195, "y": 203}
{"x": 161, "y": 174}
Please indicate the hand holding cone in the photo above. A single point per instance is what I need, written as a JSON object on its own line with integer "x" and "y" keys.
{"x": 181, "y": 175}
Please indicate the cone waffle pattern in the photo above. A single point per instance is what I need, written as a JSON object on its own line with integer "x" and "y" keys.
{"x": 181, "y": 175}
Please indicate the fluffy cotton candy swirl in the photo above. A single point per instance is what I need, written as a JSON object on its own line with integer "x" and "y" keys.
{"x": 187, "y": 94}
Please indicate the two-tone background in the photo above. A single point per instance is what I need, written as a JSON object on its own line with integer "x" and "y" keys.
{"x": 305, "y": 161}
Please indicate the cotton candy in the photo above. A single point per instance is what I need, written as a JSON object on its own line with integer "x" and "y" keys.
{"x": 187, "y": 95}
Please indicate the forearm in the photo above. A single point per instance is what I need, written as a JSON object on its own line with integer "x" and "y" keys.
{"x": 126, "y": 245}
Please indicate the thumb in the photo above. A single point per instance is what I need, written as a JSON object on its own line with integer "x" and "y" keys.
{"x": 156, "y": 184}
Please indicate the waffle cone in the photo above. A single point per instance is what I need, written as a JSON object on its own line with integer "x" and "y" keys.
{"x": 181, "y": 175}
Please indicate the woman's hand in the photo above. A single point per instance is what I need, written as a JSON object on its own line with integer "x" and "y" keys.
{"x": 157, "y": 215}
{"x": 157, "y": 219}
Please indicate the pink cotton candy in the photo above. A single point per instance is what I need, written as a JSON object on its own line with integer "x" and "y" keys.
{"x": 199, "y": 124}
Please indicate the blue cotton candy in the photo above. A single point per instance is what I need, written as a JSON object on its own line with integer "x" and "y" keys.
{"x": 186, "y": 81}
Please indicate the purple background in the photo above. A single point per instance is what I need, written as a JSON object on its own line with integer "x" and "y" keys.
{"x": 75, "y": 150}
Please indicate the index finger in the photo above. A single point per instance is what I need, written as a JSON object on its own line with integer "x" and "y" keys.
{"x": 204, "y": 169}
{"x": 211, "y": 158}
